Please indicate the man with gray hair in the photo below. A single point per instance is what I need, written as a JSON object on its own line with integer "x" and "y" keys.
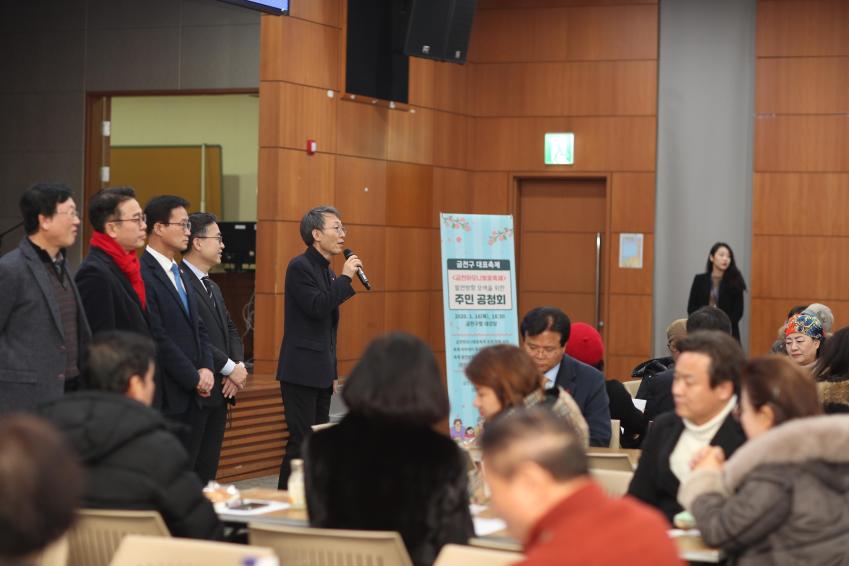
{"x": 824, "y": 315}
{"x": 307, "y": 366}
{"x": 536, "y": 467}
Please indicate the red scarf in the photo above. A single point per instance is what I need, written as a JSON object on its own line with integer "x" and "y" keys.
{"x": 127, "y": 262}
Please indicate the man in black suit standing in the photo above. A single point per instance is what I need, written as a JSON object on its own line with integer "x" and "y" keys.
{"x": 183, "y": 355}
{"x": 109, "y": 279}
{"x": 204, "y": 253}
{"x": 307, "y": 366}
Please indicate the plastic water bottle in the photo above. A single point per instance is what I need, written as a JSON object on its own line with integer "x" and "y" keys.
{"x": 297, "y": 492}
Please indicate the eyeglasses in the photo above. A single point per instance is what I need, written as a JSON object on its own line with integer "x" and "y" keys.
{"x": 72, "y": 212}
{"x": 219, "y": 237}
{"x": 186, "y": 225}
{"x": 339, "y": 229}
{"x": 138, "y": 219}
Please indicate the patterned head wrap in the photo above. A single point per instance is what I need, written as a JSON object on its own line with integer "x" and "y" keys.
{"x": 804, "y": 324}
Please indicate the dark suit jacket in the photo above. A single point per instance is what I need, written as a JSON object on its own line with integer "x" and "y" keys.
{"x": 109, "y": 299}
{"x": 182, "y": 345}
{"x": 586, "y": 385}
{"x": 657, "y": 391}
{"x": 730, "y": 300}
{"x": 310, "y": 321}
{"x": 32, "y": 355}
{"x": 224, "y": 340}
{"x": 653, "y": 481}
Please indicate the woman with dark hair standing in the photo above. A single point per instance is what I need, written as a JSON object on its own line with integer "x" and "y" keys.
{"x": 721, "y": 285}
{"x": 832, "y": 373}
{"x": 783, "y": 497}
{"x": 384, "y": 467}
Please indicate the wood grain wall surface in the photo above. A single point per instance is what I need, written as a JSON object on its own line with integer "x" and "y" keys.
{"x": 468, "y": 133}
{"x": 800, "y": 239}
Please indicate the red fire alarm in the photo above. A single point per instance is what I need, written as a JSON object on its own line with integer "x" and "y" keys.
{"x": 312, "y": 147}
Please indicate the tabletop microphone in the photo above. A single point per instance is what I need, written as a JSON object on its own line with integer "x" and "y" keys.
{"x": 360, "y": 273}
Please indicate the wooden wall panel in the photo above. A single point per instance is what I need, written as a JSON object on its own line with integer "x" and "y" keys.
{"x": 828, "y": 75}
{"x": 548, "y": 258}
{"x": 411, "y": 136}
{"x": 802, "y": 143}
{"x": 579, "y": 306}
{"x": 362, "y": 130}
{"x": 278, "y": 242}
{"x": 490, "y": 193}
{"x": 408, "y": 253}
{"x": 301, "y": 182}
{"x": 408, "y": 312}
{"x": 361, "y": 320}
{"x": 605, "y": 88}
{"x": 450, "y": 88}
{"x": 409, "y": 194}
{"x": 601, "y": 144}
{"x": 420, "y": 86}
{"x": 800, "y": 203}
{"x": 801, "y": 181}
{"x": 291, "y": 114}
{"x": 802, "y": 29}
{"x": 268, "y": 332}
{"x": 563, "y": 34}
{"x": 327, "y": 12}
{"x": 625, "y": 333}
{"x": 309, "y": 53}
{"x": 620, "y": 367}
{"x": 450, "y": 193}
{"x": 452, "y": 137}
{"x": 632, "y": 202}
{"x": 361, "y": 190}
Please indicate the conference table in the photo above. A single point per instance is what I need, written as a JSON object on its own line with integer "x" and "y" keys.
{"x": 690, "y": 545}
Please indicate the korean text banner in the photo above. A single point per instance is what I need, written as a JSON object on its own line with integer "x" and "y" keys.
{"x": 479, "y": 302}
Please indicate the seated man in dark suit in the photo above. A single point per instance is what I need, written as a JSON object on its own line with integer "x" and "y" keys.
{"x": 131, "y": 457}
{"x": 704, "y": 390}
{"x": 545, "y": 332}
{"x": 657, "y": 389}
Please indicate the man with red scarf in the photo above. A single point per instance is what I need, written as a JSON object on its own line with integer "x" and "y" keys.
{"x": 109, "y": 279}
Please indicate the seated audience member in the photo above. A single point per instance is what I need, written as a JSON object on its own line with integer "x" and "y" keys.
{"x": 40, "y": 486}
{"x": 132, "y": 458}
{"x": 706, "y": 376}
{"x": 657, "y": 390}
{"x": 384, "y": 467}
{"x": 585, "y": 345}
{"x": 783, "y": 497}
{"x": 506, "y": 378}
{"x": 676, "y": 329}
{"x": 537, "y": 471}
{"x": 778, "y": 345}
{"x": 804, "y": 339}
{"x": 545, "y": 332}
{"x": 825, "y": 316}
{"x": 832, "y": 373}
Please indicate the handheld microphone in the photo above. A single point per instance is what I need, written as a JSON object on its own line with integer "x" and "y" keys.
{"x": 360, "y": 273}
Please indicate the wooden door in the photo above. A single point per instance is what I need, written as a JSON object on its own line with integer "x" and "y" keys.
{"x": 558, "y": 223}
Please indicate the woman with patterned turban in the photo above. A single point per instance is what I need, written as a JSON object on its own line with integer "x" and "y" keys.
{"x": 803, "y": 339}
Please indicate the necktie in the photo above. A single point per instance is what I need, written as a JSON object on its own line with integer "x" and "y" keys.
{"x": 207, "y": 284}
{"x": 178, "y": 281}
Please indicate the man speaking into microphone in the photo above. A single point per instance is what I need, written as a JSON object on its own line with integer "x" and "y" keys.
{"x": 307, "y": 366}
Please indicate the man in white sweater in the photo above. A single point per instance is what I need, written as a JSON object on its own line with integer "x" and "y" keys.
{"x": 704, "y": 390}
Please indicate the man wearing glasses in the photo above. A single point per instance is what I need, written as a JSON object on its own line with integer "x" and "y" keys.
{"x": 43, "y": 328}
{"x": 183, "y": 354}
{"x": 109, "y": 279}
{"x": 307, "y": 366}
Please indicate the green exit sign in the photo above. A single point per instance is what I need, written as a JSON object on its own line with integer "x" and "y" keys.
{"x": 560, "y": 149}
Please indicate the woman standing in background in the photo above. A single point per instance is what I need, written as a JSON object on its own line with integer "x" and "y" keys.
{"x": 721, "y": 285}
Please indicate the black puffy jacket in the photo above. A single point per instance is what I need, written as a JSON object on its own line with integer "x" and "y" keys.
{"x": 133, "y": 461}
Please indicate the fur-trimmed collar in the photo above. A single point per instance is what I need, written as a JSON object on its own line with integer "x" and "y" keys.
{"x": 823, "y": 438}
{"x": 834, "y": 392}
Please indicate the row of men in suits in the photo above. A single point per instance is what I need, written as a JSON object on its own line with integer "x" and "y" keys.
{"x": 48, "y": 316}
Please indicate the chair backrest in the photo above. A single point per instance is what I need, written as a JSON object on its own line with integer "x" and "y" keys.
{"x": 137, "y": 550}
{"x": 56, "y": 554}
{"x": 615, "y": 433}
{"x": 98, "y": 532}
{"x": 607, "y": 461}
{"x": 614, "y": 482}
{"x": 456, "y": 555}
{"x": 632, "y": 386}
{"x": 305, "y": 546}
